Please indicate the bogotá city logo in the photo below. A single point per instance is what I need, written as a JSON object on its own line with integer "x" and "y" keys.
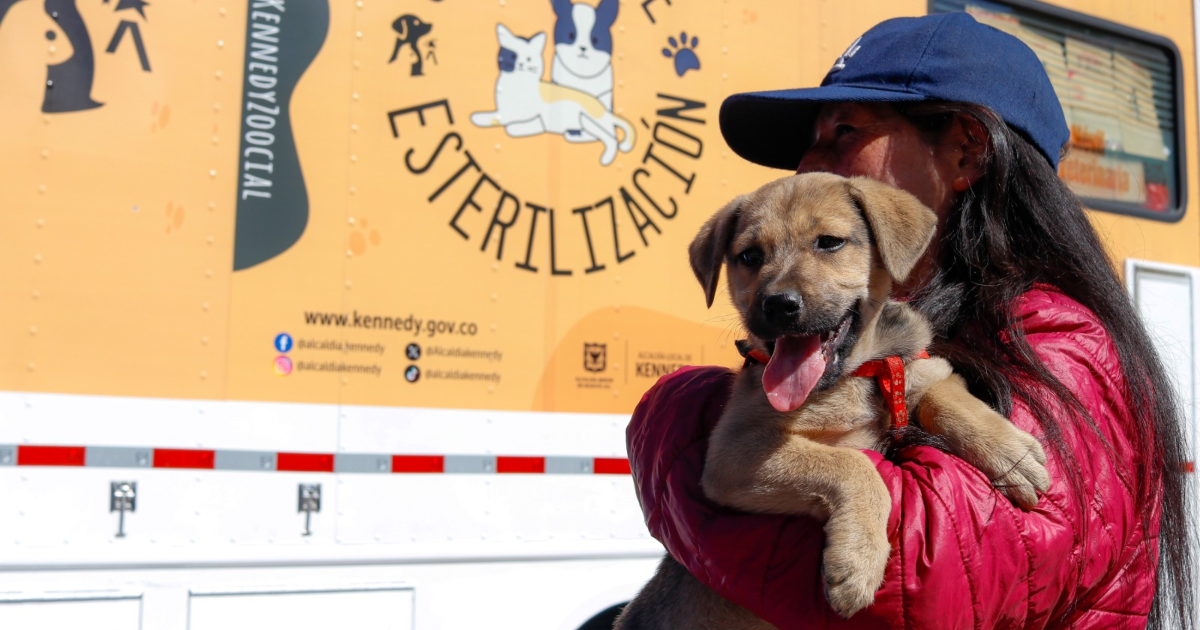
{"x": 554, "y": 93}
{"x": 595, "y": 357}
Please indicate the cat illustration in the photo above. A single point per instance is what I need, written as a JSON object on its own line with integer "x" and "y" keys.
{"x": 527, "y": 106}
{"x": 583, "y": 47}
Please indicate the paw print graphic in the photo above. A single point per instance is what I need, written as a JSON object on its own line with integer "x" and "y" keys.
{"x": 360, "y": 237}
{"x": 160, "y": 116}
{"x": 174, "y": 216}
{"x": 683, "y": 52}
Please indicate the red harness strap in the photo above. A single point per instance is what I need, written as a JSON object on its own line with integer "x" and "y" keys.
{"x": 751, "y": 354}
{"x": 889, "y": 372}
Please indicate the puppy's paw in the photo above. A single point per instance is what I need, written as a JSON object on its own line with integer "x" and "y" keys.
{"x": 854, "y": 561}
{"x": 1011, "y": 458}
{"x": 1016, "y": 464}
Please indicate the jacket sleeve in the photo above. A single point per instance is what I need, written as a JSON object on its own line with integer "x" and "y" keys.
{"x": 962, "y": 555}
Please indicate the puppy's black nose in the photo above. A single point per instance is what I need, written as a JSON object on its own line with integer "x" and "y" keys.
{"x": 781, "y": 309}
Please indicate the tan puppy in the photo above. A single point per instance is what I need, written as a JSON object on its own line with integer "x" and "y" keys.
{"x": 811, "y": 261}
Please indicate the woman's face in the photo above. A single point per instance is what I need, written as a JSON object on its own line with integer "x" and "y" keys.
{"x": 873, "y": 140}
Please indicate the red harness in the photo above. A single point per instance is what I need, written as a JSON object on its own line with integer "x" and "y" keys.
{"x": 888, "y": 372}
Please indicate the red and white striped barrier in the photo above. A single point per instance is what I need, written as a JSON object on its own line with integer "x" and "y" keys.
{"x": 268, "y": 461}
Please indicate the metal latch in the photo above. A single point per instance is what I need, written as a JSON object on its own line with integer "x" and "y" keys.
{"x": 123, "y": 499}
{"x": 310, "y": 501}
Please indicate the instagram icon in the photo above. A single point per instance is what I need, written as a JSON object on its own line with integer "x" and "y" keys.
{"x": 283, "y": 365}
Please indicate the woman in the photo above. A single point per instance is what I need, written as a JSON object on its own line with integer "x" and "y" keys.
{"x": 1027, "y": 308}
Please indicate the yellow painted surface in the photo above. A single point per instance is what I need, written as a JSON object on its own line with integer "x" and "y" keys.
{"x": 117, "y": 223}
{"x": 109, "y": 282}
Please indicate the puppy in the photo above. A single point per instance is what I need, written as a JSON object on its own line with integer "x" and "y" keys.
{"x": 811, "y": 261}
{"x": 583, "y": 49}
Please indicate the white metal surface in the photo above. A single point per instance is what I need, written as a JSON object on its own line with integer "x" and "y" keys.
{"x": 469, "y": 550}
{"x": 114, "y": 610}
{"x": 525, "y": 595}
{"x": 34, "y": 418}
{"x": 1167, "y": 300}
{"x": 313, "y": 609}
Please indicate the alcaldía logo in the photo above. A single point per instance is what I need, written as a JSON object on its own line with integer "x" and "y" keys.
{"x": 595, "y": 356}
{"x": 571, "y": 97}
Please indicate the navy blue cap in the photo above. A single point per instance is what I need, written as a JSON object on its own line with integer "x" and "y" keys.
{"x": 943, "y": 57}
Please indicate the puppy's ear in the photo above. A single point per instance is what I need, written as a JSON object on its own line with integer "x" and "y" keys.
{"x": 708, "y": 249}
{"x": 902, "y": 225}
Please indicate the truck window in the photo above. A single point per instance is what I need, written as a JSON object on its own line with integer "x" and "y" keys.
{"x": 1121, "y": 91}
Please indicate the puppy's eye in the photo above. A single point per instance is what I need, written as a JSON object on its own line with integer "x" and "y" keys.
{"x": 830, "y": 243}
{"x": 595, "y": 41}
{"x": 571, "y": 36}
{"x": 752, "y": 257}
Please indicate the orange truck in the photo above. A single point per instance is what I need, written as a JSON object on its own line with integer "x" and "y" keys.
{"x": 333, "y": 313}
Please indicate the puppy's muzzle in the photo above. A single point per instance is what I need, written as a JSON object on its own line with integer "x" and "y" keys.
{"x": 782, "y": 310}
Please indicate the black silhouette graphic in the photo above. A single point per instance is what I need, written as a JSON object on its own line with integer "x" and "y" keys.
{"x": 5, "y": 5}
{"x": 432, "y": 54}
{"x": 69, "y": 84}
{"x": 272, "y": 202}
{"x": 135, "y": 33}
{"x": 409, "y": 30}
{"x": 136, "y": 5}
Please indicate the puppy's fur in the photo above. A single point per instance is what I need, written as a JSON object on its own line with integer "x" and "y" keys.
{"x": 835, "y": 247}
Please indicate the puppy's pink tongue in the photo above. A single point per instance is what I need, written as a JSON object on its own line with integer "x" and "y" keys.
{"x": 793, "y": 371}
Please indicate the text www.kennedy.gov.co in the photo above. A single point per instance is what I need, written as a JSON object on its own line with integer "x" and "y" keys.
{"x": 412, "y": 324}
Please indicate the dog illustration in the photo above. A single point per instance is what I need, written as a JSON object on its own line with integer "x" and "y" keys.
{"x": 409, "y": 30}
{"x": 583, "y": 48}
{"x": 527, "y": 106}
{"x": 811, "y": 261}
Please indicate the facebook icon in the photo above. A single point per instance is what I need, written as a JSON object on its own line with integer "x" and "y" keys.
{"x": 283, "y": 342}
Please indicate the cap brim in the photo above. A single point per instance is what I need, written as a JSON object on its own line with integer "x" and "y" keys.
{"x": 775, "y": 128}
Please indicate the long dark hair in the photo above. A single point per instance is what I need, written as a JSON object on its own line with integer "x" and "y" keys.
{"x": 1017, "y": 226}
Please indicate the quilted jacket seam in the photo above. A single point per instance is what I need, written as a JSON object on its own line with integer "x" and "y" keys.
{"x": 1113, "y": 583}
{"x": 1115, "y": 612}
{"x": 1107, "y": 532}
{"x": 905, "y": 612}
{"x": 664, "y": 480}
{"x": 659, "y": 500}
{"x": 1089, "y": 318}
{"x": 1112, "y": 379}
{"x": 762, "y": 591}
{"x": 1075, "y": 541}
{"x": 975, "y": 604}
{"x": 1021, "y": 534}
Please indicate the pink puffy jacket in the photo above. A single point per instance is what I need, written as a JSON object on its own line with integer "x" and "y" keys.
{"x": 962, "y": 555}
